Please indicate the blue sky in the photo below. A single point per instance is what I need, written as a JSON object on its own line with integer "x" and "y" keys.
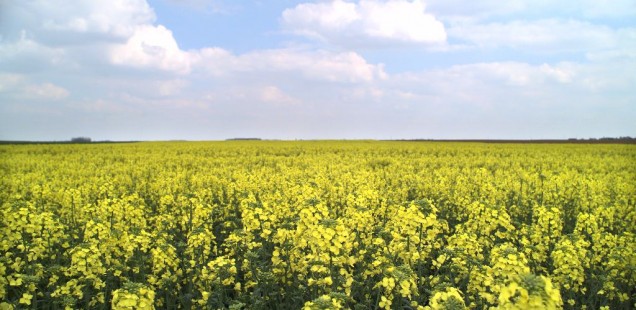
{"x": 397, "y": 69}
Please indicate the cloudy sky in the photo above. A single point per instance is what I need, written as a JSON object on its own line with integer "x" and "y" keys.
{"x": 282, "y": 69}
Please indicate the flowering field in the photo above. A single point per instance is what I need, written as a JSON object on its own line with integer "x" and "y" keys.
{"x": 319, "y": 225}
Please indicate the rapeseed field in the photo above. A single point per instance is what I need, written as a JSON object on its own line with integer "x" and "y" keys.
{"x": 317, "y": 225}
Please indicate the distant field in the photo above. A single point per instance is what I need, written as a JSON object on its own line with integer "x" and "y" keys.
{"x": 318, "y": 225}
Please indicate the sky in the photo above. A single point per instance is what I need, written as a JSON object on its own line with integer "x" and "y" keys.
{"x": 282, "y": 69}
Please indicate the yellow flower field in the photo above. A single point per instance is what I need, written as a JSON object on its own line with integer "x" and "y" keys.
{"x": 317, "y": 225}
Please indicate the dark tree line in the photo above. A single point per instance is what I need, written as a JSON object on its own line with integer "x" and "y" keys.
{"x": 81, "y": 140}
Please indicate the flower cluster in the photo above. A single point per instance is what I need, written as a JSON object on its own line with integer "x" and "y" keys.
{"x": 133, "y": 296}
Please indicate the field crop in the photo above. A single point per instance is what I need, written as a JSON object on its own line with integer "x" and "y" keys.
{"x": 317, "y": 225}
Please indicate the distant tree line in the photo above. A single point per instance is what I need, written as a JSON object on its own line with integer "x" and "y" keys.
{"x": 77, "y": 140}
{"x": 608, "y": 140}
{"x": 626, "y": 138}
{"x": 81, "y": 140}
{"x": 241, "y": 139}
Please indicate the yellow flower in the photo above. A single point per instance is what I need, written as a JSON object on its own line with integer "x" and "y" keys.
{"x": 328, "y": 281}
{"x": 15, "y": 281}
{"x": 26, "y": 299}
{"x": 5, "y": 306}
{"x": 385, "y": 302}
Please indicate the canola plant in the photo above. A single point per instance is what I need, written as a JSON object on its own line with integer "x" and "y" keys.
{"x": 317, "y": 225}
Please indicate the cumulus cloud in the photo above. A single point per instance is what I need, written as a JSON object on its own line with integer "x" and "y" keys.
{"x": 152, "y": 47}
{"x": 56, "y": 22}
{"x": 331, "y": 16}
{"x": 28, "y": 55}
{"x": 54, "y": 35}
{"x": 367, "y": 22}
{"x": 116, "y": 18}
{"x": 138, "y": 44}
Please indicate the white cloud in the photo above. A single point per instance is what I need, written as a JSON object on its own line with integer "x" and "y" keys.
{"x": 152, "y": 47}
{"x": 402, "y": 21}
{"x": 9, "y": 81}
{"x": 45, "y": 91}
{"x": 543, "y": 35}
{"x": 519, "y": 74}
{"x": 100, "y": 106}
{"x": 563, "y": 74}
{"x": 171, "y": 87}
{"x": 538, "y": 27}
{"x": 321, "y": 65}
{"x": 525, "y": 93}
{"x": 19, "y": 87}
{"x": 374, "y": 93}
{"x": 487, "y": 75}
{"x": 273, "y": 94}
{"x": 146, "y": 47}
{"x": 28, "y": 55}
{"x": 114, "y": 17}
{"x": 367, "y": 22}
{"x": 485, "y": 9}
{"x": 43, "y": 35}
{"x": 331, "y": 16}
